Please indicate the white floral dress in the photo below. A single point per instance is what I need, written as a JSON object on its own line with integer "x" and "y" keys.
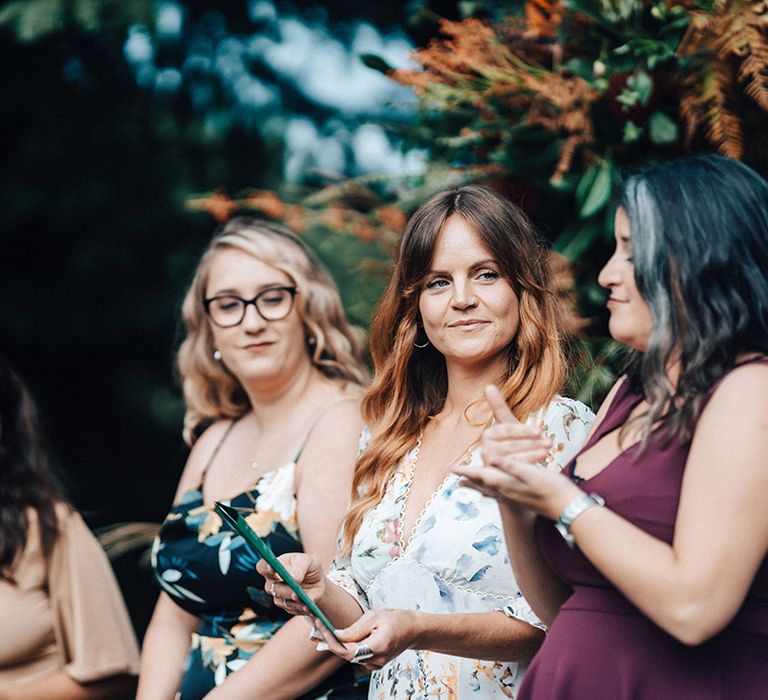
{"x": 455, "y": 561}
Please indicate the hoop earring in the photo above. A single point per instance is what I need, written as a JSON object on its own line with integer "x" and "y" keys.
{"x": 421, "y": 347}
{"x": 217, "y": 355}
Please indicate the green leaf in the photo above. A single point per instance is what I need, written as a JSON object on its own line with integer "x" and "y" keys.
{"x": 580, "y": 66}
{"x": 662, "y": 129}
{"x": 600, "y": 192}
{"x": 376, "y": 63}
{"x": 632, "y": 132}
{"x": 577, "y": 239}
{"x": 585, "y": 183}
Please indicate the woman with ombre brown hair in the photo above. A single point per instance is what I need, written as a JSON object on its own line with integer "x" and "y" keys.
{"x": 270, "y": 367}
{"x": 422, "y": 584}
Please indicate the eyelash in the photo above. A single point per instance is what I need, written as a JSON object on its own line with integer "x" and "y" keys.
{"x": 487, "y": 274}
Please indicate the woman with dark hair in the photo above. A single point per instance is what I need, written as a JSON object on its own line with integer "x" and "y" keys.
{"x": 65, "y": 631}
{"x": 649, "y": 562}
{"x": 421, "y": 581}
{"x": 271, "y": 371}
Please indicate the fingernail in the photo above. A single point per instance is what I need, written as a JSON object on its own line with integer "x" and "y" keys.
{"x": 322, "y": 646}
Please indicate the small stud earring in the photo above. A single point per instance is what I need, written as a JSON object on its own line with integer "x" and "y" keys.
{"x": 217, "y": 355}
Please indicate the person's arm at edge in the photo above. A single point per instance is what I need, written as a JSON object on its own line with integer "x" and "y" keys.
{"x": 167, "y": 640}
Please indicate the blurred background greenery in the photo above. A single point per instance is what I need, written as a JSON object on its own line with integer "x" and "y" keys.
{"x": 131, "y": 127}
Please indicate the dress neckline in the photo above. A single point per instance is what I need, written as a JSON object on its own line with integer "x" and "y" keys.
{"x": 245, "y": 492}
{"x": 409, "y": 471}
{"x": 622, "y": 405}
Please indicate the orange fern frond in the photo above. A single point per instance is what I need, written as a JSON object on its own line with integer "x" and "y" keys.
{"x": 542, "y": 18}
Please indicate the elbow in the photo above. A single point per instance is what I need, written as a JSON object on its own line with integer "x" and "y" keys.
{"x": 693, "y": 624}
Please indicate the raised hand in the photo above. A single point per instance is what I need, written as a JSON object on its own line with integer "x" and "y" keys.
{"x": 513, "y": 455}
{"x": 509, "y": 439}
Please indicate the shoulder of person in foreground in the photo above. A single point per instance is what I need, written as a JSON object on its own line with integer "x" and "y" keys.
{"x": 200, "y": 455}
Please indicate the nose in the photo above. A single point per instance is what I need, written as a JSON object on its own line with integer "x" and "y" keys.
{"x": 253, "y": 321}
{"x": 608, "y": 275}
{"x": 462, "y": 297}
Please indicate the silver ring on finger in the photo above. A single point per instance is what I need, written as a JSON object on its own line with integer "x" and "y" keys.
{"x": 362, "y": 652}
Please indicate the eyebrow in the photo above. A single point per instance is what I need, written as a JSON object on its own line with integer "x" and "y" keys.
{"x": 230, "y": 291}
{"x": 473, "y": 266}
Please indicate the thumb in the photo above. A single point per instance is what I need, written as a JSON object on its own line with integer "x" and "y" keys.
{"x": 499, "y": 407}
{"x": 360, "y": 629}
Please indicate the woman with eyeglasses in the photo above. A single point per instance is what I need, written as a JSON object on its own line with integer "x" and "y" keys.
{"x": 271, "y": 372}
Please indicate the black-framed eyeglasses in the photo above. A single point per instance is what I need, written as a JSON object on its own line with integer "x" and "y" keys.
{"x": 273, "y": 304}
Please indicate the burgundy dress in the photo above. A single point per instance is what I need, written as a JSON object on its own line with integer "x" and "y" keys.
{"x": 600, "y": 646}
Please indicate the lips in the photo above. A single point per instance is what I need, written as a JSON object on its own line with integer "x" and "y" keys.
{"x": 468, "y": 323}
{"x": 252, "y": 347}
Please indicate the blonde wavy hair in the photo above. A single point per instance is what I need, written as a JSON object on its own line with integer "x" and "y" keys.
{"x": 335, "y": 346}
{"x": 410, "y": 384}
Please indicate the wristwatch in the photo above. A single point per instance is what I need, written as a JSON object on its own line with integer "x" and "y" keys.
{"x": 572, "y": 511}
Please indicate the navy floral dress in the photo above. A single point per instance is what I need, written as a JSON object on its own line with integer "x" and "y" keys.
{"x": 210, "y": 572}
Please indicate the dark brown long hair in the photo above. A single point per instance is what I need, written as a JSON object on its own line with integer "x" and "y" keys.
{"x": 27, "y": 477}
{"x": 410, "y": 385}
{"x": 699, "y": 229}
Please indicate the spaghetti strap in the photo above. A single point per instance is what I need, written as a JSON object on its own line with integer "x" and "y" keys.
{"x": 216, "y": 449}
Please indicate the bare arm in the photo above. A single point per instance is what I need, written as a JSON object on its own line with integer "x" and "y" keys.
{"x": 168, "y": 636}
{"x": 488, "y": 635}
{"x": 164, "y": 651}
{"x": 62, "y": 686}
{"x": 289, "y": 665}
{"x": 542, "y": 588}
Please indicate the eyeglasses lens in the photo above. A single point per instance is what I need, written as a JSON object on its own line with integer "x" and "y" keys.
{"x": 272, "y": 305}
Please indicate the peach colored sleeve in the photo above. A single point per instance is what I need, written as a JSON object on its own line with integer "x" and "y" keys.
{"x": 90, "y": 620}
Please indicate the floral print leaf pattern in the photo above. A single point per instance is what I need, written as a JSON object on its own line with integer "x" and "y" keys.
{"x": 225, "y": 556}
{"x": 479, "y": 573}
{"x": 466, "y": 511}
{"x": 211, "y": 574}
{"x": 444, "y": 590}
{"x": 490, "y": 544}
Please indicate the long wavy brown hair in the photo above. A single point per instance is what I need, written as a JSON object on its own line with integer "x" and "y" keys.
{"x": 29, "y": 482}
{"x": 334, "y": 346}
{"x": 410, "y": 384}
